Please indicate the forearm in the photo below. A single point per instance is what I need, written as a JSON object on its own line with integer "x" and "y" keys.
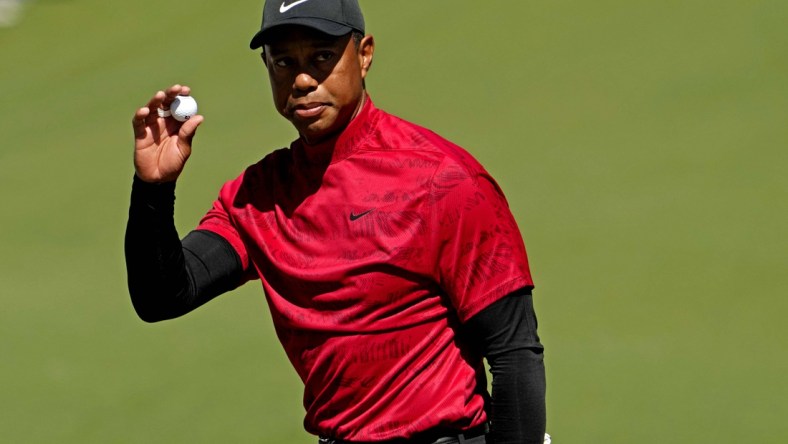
{"x": 518, "y": 397}
{"x": 506, "y": 334}
{"x": 166, "y": 277}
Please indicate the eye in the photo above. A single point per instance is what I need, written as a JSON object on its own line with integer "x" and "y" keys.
{"x": 324, "y": 56}
{"x": 283, "y": 62}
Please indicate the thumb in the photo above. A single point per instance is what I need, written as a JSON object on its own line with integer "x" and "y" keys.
{"x": 189, "y": 128}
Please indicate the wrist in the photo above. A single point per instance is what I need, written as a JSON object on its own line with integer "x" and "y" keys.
{"x": 142, "y": 183}
{"x": 155, "y": 195}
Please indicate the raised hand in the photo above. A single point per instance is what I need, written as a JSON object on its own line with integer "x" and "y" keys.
{"x": 162, "y": 144}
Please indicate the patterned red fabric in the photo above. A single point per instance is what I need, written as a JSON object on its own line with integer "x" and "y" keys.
{"x": 371, "y": 249}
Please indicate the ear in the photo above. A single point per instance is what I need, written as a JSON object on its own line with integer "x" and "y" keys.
{"x": 366, "y": 51}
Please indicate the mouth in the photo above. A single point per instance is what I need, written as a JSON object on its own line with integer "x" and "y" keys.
{"x": 308, "y": 110}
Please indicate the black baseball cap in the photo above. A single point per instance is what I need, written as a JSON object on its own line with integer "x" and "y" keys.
{"x": 333, "y": 17}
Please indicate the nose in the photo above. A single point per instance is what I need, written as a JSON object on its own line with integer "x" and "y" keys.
{"x": 304, "y": 82}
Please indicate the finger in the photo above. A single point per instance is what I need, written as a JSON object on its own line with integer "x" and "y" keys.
{"x": 170, "y": 95}
{"x": 156, "y": 100}
{"x": 154, "y": 103}
{"x": 138, "y": 123}
{"x": 189, "y": 128}
{"x": 174, "y": 90}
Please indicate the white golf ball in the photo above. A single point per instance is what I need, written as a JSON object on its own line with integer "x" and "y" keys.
{"x": 183, "y": 107}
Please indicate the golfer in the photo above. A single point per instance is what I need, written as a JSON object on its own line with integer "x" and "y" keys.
{"x": 388, "y": 256}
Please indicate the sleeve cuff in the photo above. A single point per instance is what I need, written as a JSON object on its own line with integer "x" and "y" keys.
{"x": 155, "y": 196}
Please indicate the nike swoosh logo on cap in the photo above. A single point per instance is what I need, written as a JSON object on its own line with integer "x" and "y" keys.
{"x": 284, "y": 8}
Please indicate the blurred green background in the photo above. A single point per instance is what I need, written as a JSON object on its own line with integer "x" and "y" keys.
{"x": 642, "y": 146}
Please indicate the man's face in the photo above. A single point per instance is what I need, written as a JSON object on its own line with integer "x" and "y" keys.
{"x": 317, "y": 79}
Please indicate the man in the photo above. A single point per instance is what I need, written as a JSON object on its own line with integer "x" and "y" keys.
{"x": 388, "y": 256}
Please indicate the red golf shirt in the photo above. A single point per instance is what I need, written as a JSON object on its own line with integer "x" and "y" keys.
{"x": 371, "y": 249}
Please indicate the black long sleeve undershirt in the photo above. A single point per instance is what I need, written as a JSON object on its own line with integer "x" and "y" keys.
{"x": 506, "y": 333}
{"x": 168, "y": 277}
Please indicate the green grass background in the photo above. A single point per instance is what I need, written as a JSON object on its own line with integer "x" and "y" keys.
{"x": 642, "y": 146}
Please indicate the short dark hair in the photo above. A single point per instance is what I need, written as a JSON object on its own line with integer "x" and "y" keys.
{"x": 357, "y": 36}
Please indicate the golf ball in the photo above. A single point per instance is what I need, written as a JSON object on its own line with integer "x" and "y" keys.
{"x": 183, "y": 107}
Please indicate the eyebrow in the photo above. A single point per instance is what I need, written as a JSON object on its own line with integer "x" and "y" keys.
{"x": 312, "y": 44}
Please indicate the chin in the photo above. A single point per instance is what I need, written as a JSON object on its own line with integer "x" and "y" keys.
{"x": 316, "y": 131}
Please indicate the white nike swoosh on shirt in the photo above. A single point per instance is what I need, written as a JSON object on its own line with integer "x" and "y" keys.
{"x": 284, "y": 8}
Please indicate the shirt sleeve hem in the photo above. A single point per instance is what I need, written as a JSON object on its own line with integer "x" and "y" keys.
{"x": 236, "y": 243}
{"x": 494, "y": 295}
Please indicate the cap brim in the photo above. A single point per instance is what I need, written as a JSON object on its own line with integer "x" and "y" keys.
{"x": 324, "y": 26}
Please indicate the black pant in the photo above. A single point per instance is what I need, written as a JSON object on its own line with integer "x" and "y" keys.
{"x": 473, "y": 436}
